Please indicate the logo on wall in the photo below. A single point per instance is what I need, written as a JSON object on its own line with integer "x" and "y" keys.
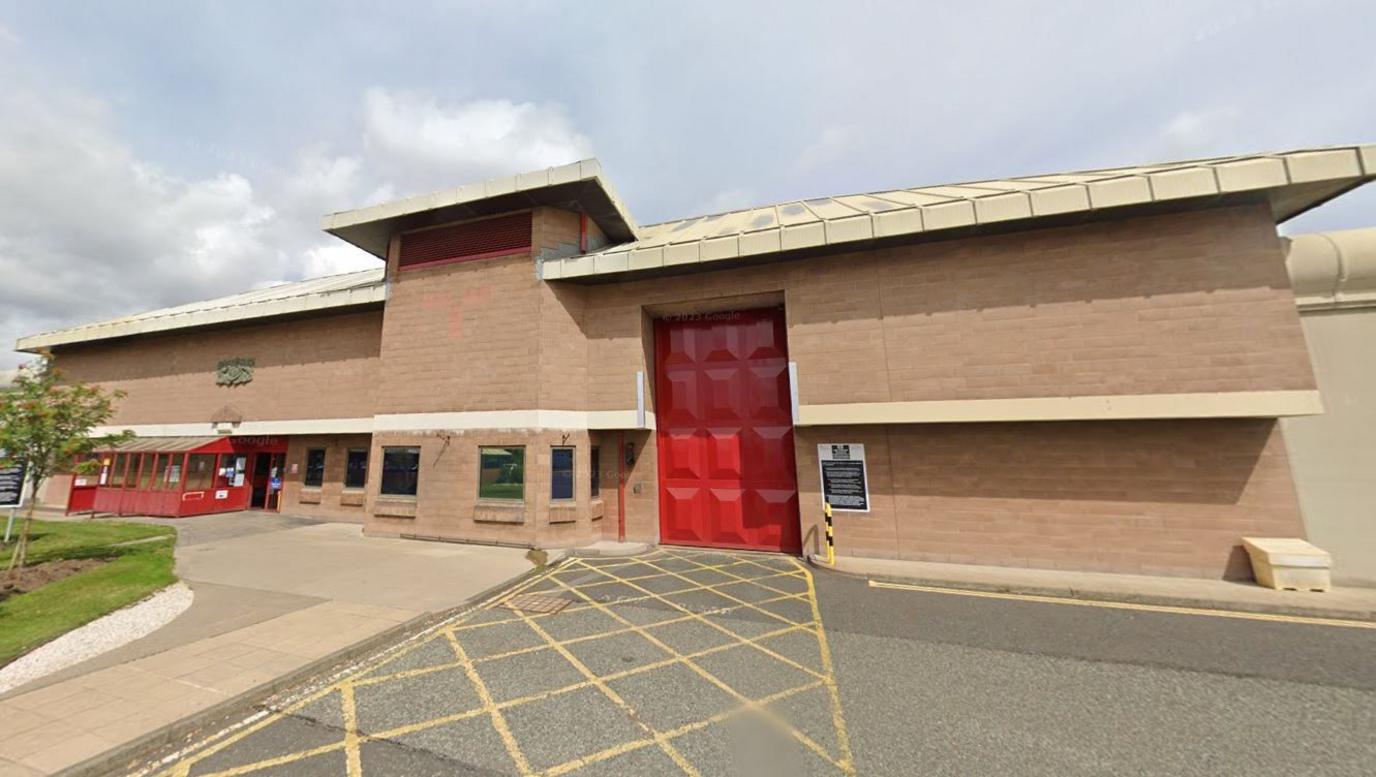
{"x": 234, "y": 372}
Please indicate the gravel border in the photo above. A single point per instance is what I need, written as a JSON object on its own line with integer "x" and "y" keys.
{"x": 100, "y": 635}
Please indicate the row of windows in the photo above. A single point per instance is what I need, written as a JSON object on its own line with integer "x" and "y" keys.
{"x": 355, "y": 468}
{"x": 501, "y": 472}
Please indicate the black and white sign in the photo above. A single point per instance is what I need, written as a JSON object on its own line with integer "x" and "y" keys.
{"x": 844, "y": 484}
{"x": 11, "y": 485}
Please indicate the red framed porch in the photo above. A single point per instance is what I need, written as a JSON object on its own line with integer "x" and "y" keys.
{"x": 181, "y": 476}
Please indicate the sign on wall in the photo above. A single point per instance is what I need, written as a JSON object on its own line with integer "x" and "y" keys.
{"x": 844, "y": 482}
{"x": 11, "y": 485}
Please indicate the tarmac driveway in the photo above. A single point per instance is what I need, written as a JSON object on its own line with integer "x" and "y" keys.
{"x": 676, "y": 662}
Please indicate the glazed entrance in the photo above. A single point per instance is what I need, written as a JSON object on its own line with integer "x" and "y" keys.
{"x": 724, "y": 414}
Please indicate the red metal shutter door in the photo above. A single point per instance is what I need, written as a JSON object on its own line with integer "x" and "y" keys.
{"x": 727, "y": 476}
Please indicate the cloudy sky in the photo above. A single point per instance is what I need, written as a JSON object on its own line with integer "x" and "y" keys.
{"x": 157, "y": 153}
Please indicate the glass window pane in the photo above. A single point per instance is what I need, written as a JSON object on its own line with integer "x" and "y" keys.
{"x": 315, "y": 467}
{"x": 146, "y": 473}
{"x": 160, "y": 472}
{"x": 595, "y": 471}
{"x": 356, "y": 470}
{"x": 561, "y": 473}
{"x": 501, "y": 473}
{"x": 117, "y": 471}
{"x": 400, "y": 471}
{"x": 200, "y": 471}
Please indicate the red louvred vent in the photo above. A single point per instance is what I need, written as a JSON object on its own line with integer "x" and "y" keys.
{"x": 483, "y": 239}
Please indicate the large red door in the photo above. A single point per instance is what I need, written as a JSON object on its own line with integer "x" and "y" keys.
{"x": 725, "y": 432}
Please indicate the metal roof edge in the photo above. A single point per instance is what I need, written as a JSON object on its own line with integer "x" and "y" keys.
{"x": 1306, "y": 174}
{"x": 297, "y": 297}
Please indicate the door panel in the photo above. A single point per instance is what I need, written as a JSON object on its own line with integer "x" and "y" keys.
{"x": 725, "y": 432}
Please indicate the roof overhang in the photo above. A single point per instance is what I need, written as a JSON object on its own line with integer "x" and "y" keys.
{"x": 577, "y": 187}
{"x": 1291, "y": 182}
{"x": 350, "y": 290}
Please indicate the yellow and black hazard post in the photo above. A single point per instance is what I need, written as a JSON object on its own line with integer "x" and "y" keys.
{"x": 831, "y": 537}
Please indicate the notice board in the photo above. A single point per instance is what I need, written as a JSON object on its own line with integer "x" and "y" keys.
{"x": 845, "y": 484}
{"x": 11, "y": 485}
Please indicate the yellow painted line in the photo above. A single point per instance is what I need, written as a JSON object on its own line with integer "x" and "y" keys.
{"x": 847, "y": 761}
{"x": 349, "y": 710}
{"x": 1165, "y": 608}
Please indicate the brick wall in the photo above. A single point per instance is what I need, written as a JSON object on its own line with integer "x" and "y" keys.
{"x": 1169, "y": 497}
{"x": 447, "y": 505}
{"x": 320, "y": 367}
{"x": 331, "y": 499}
{"x": 486, "y": 334}
{"x": 1178, "y": 303}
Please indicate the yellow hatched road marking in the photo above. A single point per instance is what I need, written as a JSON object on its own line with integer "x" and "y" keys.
{"x": 615, "y": 698}
{"x": 699, "y": 617}
{"x": 450, "y": 631}
{"x": 498, "y": 719}
{"x": 1165, "y": 608}
{"x": 764, "y": 712}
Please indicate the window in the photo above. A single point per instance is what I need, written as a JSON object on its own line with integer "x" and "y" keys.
{"x": 561, "y": 473}
{"x": 400, "y": 471}
{"x": 160, "y": 472}
{"x": 356, "y": 469}
{"x": 501, "y": 473}
{"x": 595, "y": 471}
{"x": 117, "y": 473}
{"x": 200, "y": 471}
{"x": 146, "y": 473}
{"x": 315, "y": 467}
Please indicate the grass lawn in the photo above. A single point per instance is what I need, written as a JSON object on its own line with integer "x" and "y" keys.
{"x": 135, "y": 571}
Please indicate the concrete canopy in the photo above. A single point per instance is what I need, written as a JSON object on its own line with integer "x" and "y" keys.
{"x": 577, "y": 187}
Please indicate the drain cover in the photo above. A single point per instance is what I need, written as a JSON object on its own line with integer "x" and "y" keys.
{"x": 542, "y": 603}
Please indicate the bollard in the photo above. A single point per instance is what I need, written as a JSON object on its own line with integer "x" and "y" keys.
{"x": 831, "y": 539}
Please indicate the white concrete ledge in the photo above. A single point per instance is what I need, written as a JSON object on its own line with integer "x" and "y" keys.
{"x": 399, "y": 422}
{"x": 253, "y": 428}
{"x": 1240, "y": 404}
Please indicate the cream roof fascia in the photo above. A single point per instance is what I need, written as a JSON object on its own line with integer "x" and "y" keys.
{"x": 370, "y": 227}
{"x": 847, "y": 219}
{"x": 337, "y": 291}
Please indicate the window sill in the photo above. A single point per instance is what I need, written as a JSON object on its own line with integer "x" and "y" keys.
{"x": 395, "y": 507}
{"x": 309, "y": 495}
{"x": 563, "y": 511}
{"x": 495, "y": 511}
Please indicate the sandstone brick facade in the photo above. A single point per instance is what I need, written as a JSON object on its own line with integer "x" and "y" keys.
{"x": 1175, "y": 303}
{"x": 319, "y": 367}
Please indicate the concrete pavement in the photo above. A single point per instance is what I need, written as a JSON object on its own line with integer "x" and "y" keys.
{"x": 273, "y": 595}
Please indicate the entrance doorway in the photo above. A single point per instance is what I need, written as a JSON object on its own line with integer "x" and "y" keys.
{"x": 266, "y": 481}
{"x": 724, "y": 418}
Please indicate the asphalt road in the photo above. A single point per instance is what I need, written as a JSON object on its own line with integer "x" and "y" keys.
{"x": 694, "y": 662}
{"x": 941, "y": 684}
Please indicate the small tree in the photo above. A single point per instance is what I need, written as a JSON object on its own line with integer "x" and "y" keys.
{"x": 47, "y": 424}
